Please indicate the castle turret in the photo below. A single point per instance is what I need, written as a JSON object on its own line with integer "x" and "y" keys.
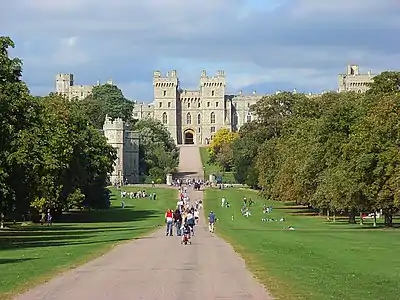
{"x": 126, "y": 143}
{"x": 166, "y": 95}
{"x": 64, "y": 82}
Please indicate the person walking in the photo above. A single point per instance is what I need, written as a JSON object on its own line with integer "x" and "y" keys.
{"x": 211, "y": 221}
{"x": 169, "y": 218}
{"x": 178, "y": 221}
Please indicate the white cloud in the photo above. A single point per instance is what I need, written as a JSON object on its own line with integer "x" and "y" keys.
{"x": 289, "y": 43}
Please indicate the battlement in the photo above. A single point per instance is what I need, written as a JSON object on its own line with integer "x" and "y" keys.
{"x": 169, "y": 74}
{"x": 220, "y": 75}
{"x": 217, "y": 80}
{"x": 64, "y": 75}
{"x": 116, "y": 124}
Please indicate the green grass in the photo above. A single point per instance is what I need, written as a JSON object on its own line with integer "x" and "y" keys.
{"x": 318, "y": 260}
{"x": 32, "y": 254}
{"x": 210, "y": 168}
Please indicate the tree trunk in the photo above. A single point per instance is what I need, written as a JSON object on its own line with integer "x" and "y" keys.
{"x": 334, "y": 216}
{"x": 374, "y": 219}
{"x": 388, "y": 218}
{"x": 328, "y": 215}
{"x": 361, "y": 219}
{"x": 352, "y": 216}
{"x": 2, "y": 221}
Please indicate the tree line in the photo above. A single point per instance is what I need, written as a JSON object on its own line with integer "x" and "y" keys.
{"x": 53, "y": 155}
{"x": 336, "y": 152}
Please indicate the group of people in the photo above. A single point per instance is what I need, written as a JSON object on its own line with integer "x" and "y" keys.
{"x": 186, "y": 216}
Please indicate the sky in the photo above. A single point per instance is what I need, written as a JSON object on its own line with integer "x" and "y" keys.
{"x": 263, "y": 45}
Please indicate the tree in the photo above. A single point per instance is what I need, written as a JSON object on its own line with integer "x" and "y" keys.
{"x": 51, "y": 157}
{"x": 221, "y": 138}
{"x": 158, "y": 153}
{"x": 385, "y": 83}
{"x": 106, "y": 99}
{"x": 18, "y": 110}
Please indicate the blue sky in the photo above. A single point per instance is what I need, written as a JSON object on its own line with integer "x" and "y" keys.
{"x": 261, "y": 45}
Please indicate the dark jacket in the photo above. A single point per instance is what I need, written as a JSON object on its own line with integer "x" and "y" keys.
{"x": 177, "y": 216}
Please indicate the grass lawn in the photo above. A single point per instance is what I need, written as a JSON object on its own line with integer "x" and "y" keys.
{"x": 318, "y": 260}
{"x": 29, "y": 255}
{"x": 209, "y": 168}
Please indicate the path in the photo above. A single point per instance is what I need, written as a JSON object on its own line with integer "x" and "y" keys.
{"x": 158, "y": 267}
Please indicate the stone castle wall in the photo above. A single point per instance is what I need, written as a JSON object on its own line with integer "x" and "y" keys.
{"x": 126, "y": 142}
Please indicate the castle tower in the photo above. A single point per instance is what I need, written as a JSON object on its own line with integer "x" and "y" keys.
{"x": 126, "y": 143}
{"x": 212, "y": 90}
{"x": 64, "y": 82}
{"x": 166, "y": 102}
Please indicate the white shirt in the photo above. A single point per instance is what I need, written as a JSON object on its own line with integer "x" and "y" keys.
{"x": 196, "y": 214}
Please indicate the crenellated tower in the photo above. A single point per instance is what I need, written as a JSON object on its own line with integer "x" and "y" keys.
{"x": 212, "y": 90}
{"x": 166, "y": 102}
{"x": 126, "y": 143}
{"x": 64, "y": 83}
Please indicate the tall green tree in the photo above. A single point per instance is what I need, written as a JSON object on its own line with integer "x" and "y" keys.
{"x": 158, "y": 153}
{"x": 106, "y": 99}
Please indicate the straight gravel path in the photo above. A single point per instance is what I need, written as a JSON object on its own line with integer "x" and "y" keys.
{"x": 159, "y": 267}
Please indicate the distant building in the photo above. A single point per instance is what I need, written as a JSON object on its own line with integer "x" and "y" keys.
{"x": 354, "y": 81}
{"x": 194, "y": 116}
{"x": 66, "y": 87}
{"x": 126, "y": 142}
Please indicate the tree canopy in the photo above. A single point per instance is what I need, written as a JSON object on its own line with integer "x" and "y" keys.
{"x": 338, "y": 152}
{"x": 158, "y": 155}
{"x": 51, "y": 156}
{"x": 106, "y": 99}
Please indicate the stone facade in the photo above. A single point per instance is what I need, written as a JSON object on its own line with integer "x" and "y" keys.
{"x": 193, "y": 116}
{"x": 126, "y": 142}
{"x": 65, "y": 86}
{"x": 354, "y": 81}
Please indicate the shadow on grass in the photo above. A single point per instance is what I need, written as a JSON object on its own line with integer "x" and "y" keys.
{"x": 18, "y": 239}
{"x": 4, "y": 261}
{"x": 110, "y": 215}
{"x": 343, "y": 224}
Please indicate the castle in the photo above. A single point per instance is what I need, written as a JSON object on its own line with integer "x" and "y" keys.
{"x": 354, "y": 81}
{"x": 126, "y": 142}
{"x": 65, "y": 86}
{"x": 193, "y": 116}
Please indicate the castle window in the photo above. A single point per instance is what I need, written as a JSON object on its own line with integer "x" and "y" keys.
{"x": 248, "y": 117}
{"x": 208, "y": 104}
{"x": 188, "y": 119}
{"x": 165, "y": 93}
{"x": 198, "y": 104}
{"x": 212, "y": 118}
{"x": 212, "y": 93}
{"x": 216, "y": 104}
{"x": 169, "y": 104}
{"x": 212, "y": 129}
{"x": 199, "y": 130}
{"x": 188, "y": 104}
{"x": 164, "y": 118}
{"x": 160, "y": 104}
{"x": 198, "y": 119}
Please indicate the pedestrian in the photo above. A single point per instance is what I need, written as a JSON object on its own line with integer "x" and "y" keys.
{"x": 169, "y": 219}
{"x": 178, "y": 221}
{"x": 211, "y": 221}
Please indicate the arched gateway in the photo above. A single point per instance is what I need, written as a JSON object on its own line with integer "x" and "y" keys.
{"x": 188, "y": 137}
